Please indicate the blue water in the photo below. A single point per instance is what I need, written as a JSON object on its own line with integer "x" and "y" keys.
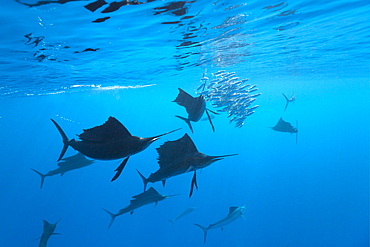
{"x": 63, "y": 61}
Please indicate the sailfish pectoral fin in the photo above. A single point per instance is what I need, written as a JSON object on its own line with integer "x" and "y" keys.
{"x": 210, "y": 121}
{"x": 187, "y": 121}
{"x": 120, "y": 169}
{"x": 193, "y": 183}
{"x": 213, "y": 112}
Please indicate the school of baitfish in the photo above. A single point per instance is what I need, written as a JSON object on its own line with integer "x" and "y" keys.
{"x": 225, "y": 92}
{"x": 230, "y": 94}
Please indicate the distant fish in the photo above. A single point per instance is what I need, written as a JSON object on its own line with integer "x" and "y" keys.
{"x": 147, "y": 197}
{"x": 187, "y": 211}
{"x": 109, "y": 141}
{"x": 234, "y": 213}
{"x": 179, "y": 157}
{"x": 74, "y": 162}
{"x": 203, "y": 119}
{"x": 195, "y": 107}
{"x": 283, "y": 126}
{"x": 48, "y": 231}
{"x": 288, "y": 100}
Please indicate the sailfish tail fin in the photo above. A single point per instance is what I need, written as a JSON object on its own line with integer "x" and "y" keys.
{"x": 287, "y": 101}
{"x": 111, "y": 215}
{"x": 205, "y": 229}
{"x": 42, "y": 177}
{"x": 65, "y": 140}
{"x": 145, "y": 180}
{"x": 188, "y": 122}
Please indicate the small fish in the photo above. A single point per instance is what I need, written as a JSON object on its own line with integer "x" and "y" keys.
{"x": 255, "y": 95}
{"x": 219, "y": 72}
{"x": 187, "y": 211}
{"x": 253, "y": 90}
{"x": 253, "y": 108}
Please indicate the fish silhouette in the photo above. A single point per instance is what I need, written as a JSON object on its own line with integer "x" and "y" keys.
{"x": 234, "y": 213}
{"x": 48, "y": 231}
{"x": 283, "y": 126}
{"x": 178, "y": 157}
{"x": 109, "y": 141}
{"x": 187, "y": 211}
{"x": 195, "y": 107}
{"x": 147, "y": 197}
{"x": 65, "y": 165}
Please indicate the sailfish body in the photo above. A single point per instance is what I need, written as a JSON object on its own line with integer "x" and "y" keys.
{"x": 74, "y": 162}
{"x": 178, "y": 157}
{"x": 109, "y": 141}
{"x": 145, "y": 198}
{"x": 48, "y": 231}
{"x": 234, "y": 213}
{"x": 195, "y": 107}
{"x": 283, "y": 126}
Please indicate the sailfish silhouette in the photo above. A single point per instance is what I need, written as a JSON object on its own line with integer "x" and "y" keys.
{"x": 178, "y": 157}
{"x": 109, "y": 141}
{"x": 195, "y": 107}
{"x": 283, "y": 126}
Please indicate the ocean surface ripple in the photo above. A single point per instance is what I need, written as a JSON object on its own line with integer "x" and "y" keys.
{"x": 70, "y": 45}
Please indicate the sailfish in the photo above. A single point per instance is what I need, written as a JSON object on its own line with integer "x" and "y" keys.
{"x": 109, "y": 141}
{"x": 178, "y": 157}
{"x": 234, "y": 213}
{"x": 145, "y": 198}
{"x": 48, "y": 231}
{"x": 74, "y": 162}
{"x": 283, "y": 126}
{"x": 195, "y": 107}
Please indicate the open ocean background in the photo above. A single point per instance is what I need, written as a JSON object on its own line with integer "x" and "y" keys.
{"x": 78, "y": 66}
